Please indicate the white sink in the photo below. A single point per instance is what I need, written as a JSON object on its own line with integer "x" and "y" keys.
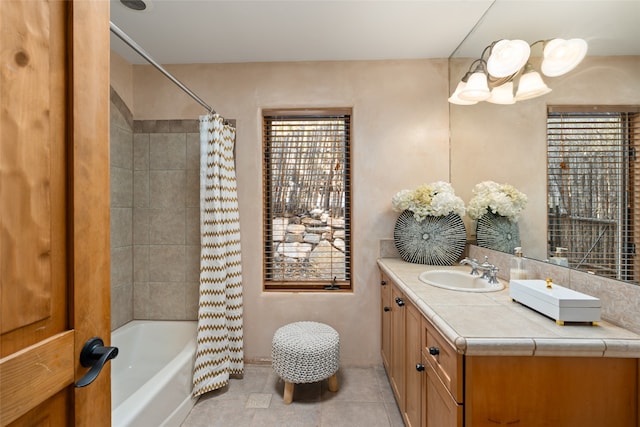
{"x": 458, "y": 281}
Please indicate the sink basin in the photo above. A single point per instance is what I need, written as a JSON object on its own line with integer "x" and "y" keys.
{"x": 458, "y": 281}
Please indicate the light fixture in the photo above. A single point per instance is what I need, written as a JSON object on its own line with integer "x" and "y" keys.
{"x": 502, "y": 94}
{"x": 454, "y": 98}
{"x": 493, "y": 79}
{"x": 530, "y": 84}
{"x": 562, "y": 56}
{"x": 507, "y": 57}
{"x": 477, "y": 88}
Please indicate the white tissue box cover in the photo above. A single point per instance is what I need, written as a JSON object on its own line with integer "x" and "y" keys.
{"x": 558, "y": 302}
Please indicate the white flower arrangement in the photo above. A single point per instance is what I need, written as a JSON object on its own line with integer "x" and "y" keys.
{"x": 434, "y": 199}
{"x": 500, "y": 199}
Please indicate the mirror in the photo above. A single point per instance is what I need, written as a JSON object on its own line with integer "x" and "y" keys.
{"x": 508, "y": 143}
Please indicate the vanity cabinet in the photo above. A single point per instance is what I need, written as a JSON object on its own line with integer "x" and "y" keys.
{"x": 402, "y": 351}
{"x": 436, "y": 386}
{"x": 414, "y": 372}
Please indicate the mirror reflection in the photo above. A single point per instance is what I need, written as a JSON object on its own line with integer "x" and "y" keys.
{"x": 581, "y": 195}
{"x": 592, "y": 189}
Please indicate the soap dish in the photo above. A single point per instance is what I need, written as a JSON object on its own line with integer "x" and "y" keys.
{"x": 555, "y": 301}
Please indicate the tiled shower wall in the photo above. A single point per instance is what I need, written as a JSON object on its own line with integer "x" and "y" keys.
{"x": 166, "y": 219}
{"x": 121, "y": 170}
{"x": 155, "y": 219}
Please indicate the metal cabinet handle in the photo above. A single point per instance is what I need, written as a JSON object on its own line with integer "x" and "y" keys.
{"x": 387, "y": 308}
{"x": 94, "y": 355}
{"x": 434, "y": 351}
{"x": 399, "y": 301}
{"x": 419, "y": 367}
{"x": 383, "y": 283}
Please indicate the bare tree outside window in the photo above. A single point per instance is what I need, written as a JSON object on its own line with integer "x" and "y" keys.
{"x": 307, "y": 195}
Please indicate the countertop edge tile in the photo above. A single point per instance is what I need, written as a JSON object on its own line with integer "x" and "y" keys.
{"x": 493, "y": 347}
{"x": 449, "y": 333}
{"x": 569, "y": 347}
{"x": 622, "y": 348}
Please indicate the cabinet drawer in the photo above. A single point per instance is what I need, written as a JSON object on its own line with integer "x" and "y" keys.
{"x": 445, "y": 361}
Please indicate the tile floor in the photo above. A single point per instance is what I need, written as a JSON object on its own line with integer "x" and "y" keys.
{"x": 364, "y": 399}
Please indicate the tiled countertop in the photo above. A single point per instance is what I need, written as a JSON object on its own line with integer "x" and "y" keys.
{"x": 479, "y": 324}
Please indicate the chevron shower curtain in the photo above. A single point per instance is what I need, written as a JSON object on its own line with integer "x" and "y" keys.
{"x": 220, "y": 334}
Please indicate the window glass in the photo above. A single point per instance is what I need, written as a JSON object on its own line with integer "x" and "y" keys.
{"x": 307, "y": 200}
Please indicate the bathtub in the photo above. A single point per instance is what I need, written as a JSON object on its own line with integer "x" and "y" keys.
{"x": 151, "y": 377}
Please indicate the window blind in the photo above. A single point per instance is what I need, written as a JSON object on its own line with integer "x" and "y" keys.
{"x": 593, "y": 189}
{"x": 307, "y": 200}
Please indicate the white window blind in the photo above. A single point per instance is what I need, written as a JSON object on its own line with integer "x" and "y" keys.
{"x": 307, "y": 200}
{"x": 593, "y": 188}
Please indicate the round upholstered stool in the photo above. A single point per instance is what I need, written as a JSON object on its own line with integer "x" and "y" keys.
{"x": 305, "y": 352}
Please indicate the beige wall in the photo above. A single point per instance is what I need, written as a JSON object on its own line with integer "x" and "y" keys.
{"x": 122, "y": 78}
{"x": 400, "y": 140}
{"x": 507, "y": 143}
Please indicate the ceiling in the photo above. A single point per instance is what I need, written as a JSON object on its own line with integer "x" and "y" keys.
{"x": 213, "y": 31}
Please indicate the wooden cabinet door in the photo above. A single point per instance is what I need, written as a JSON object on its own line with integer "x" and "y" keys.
{"x": 54, "y": 210}
{"x": 551, "y": 391}
{"x": 396, "y": 371}
{"x": 385, "y": 309}
{"x": 441, "y": 409}
{"x": 414, "y": 366}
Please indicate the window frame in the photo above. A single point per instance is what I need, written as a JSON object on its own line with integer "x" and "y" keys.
{"x": 268, "y": 251}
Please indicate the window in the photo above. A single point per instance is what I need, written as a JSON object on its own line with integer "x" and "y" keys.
{"x": 307, "y": 199}
{"x": 593, "y": 188}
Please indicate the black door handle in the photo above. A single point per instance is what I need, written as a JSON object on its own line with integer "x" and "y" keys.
{"x": 94, "y": 354}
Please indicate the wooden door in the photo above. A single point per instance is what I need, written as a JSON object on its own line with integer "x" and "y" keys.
{"x": 54, "y": 210}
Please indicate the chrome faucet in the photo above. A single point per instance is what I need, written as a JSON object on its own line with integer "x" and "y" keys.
{"x": 474, "y": 265}
{"x": 489, "y": 271}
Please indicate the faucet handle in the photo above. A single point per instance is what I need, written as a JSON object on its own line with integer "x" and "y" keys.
{"x": 474, "y": 270}
{"x": 492, "y": 275}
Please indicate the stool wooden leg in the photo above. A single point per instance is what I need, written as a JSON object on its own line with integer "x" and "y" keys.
{"x": 333, "y": 383}
{"x": 288, "y": 392}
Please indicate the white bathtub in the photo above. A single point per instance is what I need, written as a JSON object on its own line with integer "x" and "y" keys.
{"x": 151, "y": 377}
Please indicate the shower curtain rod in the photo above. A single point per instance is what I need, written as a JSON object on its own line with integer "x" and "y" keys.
{"x": 135, "y": 46}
